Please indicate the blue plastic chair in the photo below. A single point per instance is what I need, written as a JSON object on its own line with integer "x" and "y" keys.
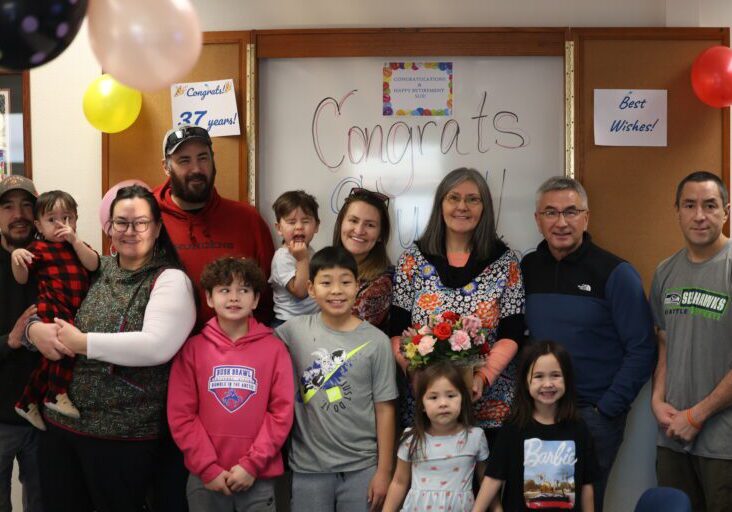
{"x": 666, "y": 499}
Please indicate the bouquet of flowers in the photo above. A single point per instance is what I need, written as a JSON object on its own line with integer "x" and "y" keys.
{"x": 447, "y": 335}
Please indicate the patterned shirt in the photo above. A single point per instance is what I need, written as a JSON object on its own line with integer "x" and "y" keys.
{"x": 373, "y": 300}
{"x": 62, "y": 279}
{"x": 493, "y": 295}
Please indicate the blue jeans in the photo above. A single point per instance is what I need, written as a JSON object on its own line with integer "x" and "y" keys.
{"x": 21, "y": 442}
{"x": 607, "y": 434}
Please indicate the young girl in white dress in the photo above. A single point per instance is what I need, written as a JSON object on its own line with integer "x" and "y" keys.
{"x": 439, "y": 455}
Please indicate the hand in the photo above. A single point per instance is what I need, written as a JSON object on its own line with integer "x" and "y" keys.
{"x": 238, "y": 479}
{"x": 664, "y": 412}
{"x": 477, "y": 390}
{"x": 16, "y": 334}
{"x": 45, "y": 338}
{"x": 377, "y": 489}
{"x": 65, "y": 232}
{"x": 22, "y": 258}
{"x": 680, "y": 428}
{"x": 218, "y": 484}
{"x": 71, "y": 337}
{"x": 299, "y": 250}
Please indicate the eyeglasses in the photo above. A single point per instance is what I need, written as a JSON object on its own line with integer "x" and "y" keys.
{"x": 471, "y": 201}
{"x": 360, "y": 193}
{"x": 138, "y": 226}
{"x": 568, "y": 214}
{"x": 184, "y": 133}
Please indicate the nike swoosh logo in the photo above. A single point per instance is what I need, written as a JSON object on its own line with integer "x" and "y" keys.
{"x": 310, "y": 394}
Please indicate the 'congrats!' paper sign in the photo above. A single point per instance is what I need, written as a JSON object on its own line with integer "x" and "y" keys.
{"x": 211, "y": 105}
{"x": 630, "y": 117}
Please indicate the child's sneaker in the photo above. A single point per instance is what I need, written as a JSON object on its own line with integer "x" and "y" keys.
{"x": 63, "y": 405}
{"x": 33, "y": 415}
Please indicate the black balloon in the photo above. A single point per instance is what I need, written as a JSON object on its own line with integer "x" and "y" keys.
{"x": 33, "y": 32}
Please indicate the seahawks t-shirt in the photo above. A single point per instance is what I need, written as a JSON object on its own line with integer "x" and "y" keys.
{"x": 544, "y": 466}
{"x": 690, "y": 301}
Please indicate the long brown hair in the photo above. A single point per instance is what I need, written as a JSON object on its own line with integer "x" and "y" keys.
{"x": 523, "y": 404}
{"x": 423, "y": 380}
{"x": 377, "y": 261}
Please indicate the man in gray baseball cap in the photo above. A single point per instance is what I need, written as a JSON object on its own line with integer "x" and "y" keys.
{"x": 18, "y": 439}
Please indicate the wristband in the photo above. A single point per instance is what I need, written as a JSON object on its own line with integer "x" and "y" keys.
{"x": 25, "y": 339}
{"x": 691, "y": 420}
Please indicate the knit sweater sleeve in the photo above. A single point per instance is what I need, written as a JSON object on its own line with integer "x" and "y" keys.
{"x": 169, "y": 318}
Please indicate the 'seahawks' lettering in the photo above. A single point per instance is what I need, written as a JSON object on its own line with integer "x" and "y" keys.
{"x": 696, "y": 301}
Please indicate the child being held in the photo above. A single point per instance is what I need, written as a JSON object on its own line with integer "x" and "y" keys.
{"x": 342, "y": 443}
{"x": 231, "y": 395}
{"x": 61, "y": 262}
{"x": 544, "y": 456}
{"x": 297, "y": 222}
{"x": 437, "y": 457}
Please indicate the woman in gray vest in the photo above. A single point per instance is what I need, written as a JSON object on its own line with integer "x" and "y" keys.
{"x": 138, "y": 312}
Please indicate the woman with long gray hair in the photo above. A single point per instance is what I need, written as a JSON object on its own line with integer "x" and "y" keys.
{"x": 459, "y": 264}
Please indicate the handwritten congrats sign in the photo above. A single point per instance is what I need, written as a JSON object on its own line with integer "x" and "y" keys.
{"x": 417, "y": 88}
{"x": 211, "y": 105}
{"x": 630, "y": 117}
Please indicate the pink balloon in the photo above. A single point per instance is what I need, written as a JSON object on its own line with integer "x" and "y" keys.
{"x": 109, "y": 197}
{"x": 145, "y": 44}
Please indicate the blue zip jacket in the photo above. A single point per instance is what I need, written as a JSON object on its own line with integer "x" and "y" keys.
{"x": 593, "y": 303}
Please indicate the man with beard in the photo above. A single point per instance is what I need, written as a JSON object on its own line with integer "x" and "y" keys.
{"x": 18, "y": 439}
{"x": 203, "y": 225}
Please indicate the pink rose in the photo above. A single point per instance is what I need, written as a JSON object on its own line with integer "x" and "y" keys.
{"x": 425, "y": 329}
{"x": 471, "y": 324}
{"x": 479, "y": 340}
{"x": 460, "y": 341}
{"x": 426, "y": 345}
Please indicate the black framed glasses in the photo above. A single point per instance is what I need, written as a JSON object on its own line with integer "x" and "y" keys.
{"x": 138, "y": 226}
{"x": 360, "y": 193}
{"x": 185, "y": 133}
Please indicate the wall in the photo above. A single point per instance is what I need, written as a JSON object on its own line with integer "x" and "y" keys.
{"x": 67, "y": 151}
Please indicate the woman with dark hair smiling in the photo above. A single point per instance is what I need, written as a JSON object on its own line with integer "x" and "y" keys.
{"x": 460, "y": 265}
{"x": 138, "y": 312}
{"x": 362, "y": 228}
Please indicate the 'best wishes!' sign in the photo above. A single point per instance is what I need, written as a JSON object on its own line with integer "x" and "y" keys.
{"x": 211, "y": 105}
{"x": 630, "y": 117}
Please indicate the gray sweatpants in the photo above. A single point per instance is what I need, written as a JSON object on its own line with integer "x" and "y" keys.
{"x": 258, "y": 498}
{"x": 331, "y": 492}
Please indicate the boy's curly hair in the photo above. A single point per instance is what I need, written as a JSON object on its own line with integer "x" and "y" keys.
{"x": 223, "y": 271}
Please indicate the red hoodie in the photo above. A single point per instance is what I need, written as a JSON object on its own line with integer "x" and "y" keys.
{"x": 221, "y": 228}
{"x": 231, "y": 402}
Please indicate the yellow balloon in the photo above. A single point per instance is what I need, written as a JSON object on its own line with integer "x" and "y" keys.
{"x": 110, "y": 106}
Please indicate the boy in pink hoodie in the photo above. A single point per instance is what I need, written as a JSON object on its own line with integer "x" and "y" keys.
{"x": 231, "y": 396}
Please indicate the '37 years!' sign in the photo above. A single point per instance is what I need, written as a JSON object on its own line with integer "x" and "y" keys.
{"x": 211, "y": 105}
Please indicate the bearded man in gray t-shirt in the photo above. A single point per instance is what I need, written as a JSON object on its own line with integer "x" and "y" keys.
{"x": 692, "y": 385}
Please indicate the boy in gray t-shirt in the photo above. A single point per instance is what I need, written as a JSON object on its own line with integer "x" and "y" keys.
{"x": 343, "y": 439}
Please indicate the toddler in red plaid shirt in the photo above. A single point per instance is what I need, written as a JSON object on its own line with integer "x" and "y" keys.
{"x": 61, "y": 263}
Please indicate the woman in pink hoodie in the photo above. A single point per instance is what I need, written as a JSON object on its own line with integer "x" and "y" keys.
{"x": 231, "y": 396}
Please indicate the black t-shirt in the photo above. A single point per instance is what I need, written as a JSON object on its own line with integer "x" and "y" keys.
{"x": 544, "y": 466}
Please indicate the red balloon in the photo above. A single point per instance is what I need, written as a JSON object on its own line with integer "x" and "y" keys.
{"x": 711, "y": 76}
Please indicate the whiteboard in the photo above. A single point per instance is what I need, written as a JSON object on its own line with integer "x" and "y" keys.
{"x": 318, "y": 115}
